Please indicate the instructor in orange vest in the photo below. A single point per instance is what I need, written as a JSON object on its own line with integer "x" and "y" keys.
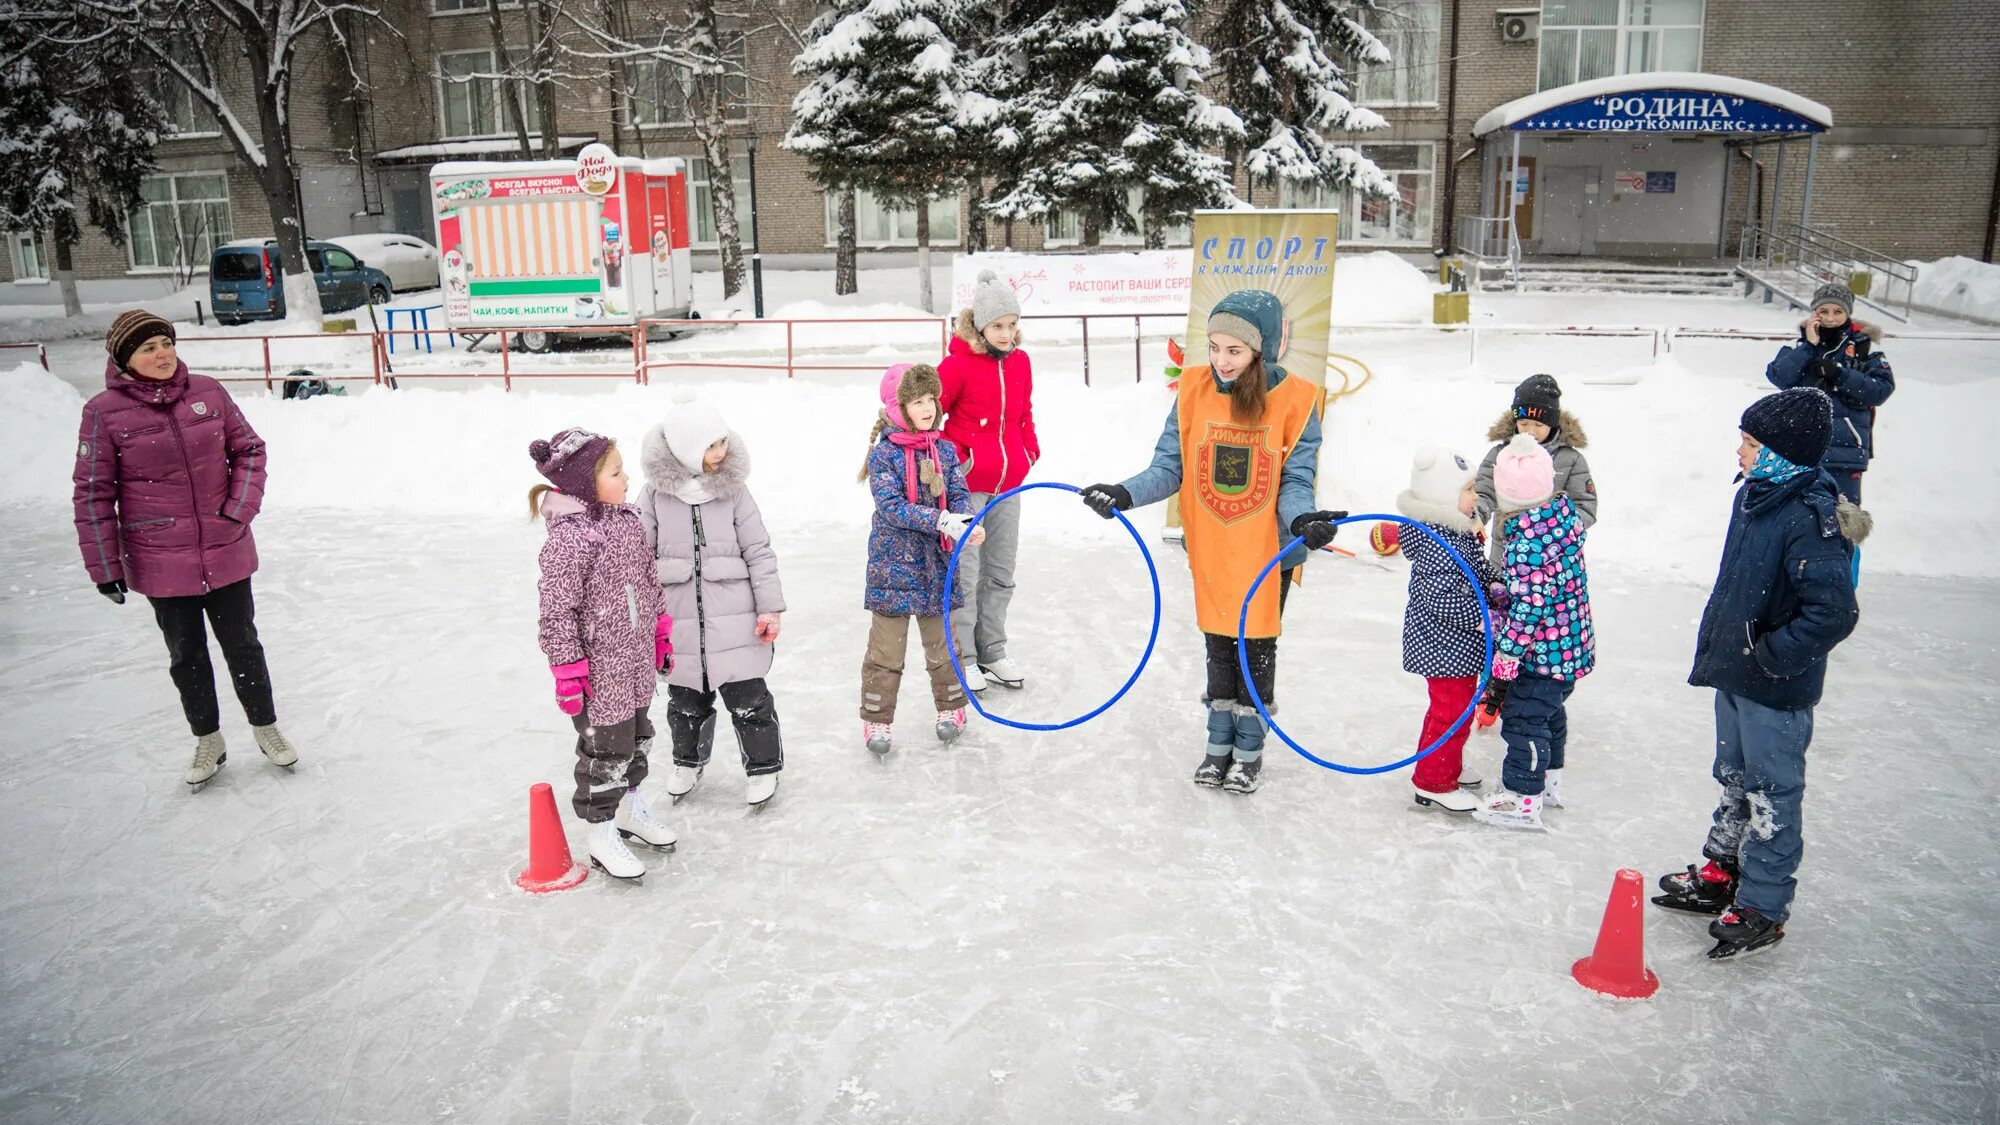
{"x": 1241, "y": 449}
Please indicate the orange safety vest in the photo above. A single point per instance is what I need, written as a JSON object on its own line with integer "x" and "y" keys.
{"x": 1230, "y": 474}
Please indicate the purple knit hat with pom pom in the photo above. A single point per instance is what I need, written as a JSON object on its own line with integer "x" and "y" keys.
{"x": 569, "y": 461}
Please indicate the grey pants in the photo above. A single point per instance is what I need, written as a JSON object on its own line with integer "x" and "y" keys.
{"x": 1760, "y": 762}
{"x": 986, "y": 578}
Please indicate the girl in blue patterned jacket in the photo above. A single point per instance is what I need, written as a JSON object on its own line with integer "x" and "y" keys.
{"x": 1547, "y": 643}
{"x": 1444, "y": 632}
{"x": 922, "y": 507}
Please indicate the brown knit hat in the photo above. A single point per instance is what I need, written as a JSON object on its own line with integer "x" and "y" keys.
{"x": 132, "y": 329}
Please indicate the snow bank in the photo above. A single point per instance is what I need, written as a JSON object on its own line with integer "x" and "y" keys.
{"x": 1960, "y": 286}
{"x": 1379, "y": 288}
{"x": 39, "y": 426}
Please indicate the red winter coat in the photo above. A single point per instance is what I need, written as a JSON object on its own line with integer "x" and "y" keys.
{"x": 168, "y": 477}
{"x": 988, "y": 408}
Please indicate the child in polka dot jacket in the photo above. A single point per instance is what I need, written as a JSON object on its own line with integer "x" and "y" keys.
{"x": 1547, "y": 643}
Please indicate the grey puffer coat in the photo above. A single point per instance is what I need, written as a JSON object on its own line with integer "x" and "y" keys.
{"x": 714, "y": 563}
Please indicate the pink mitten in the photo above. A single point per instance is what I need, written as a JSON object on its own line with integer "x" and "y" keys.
{"x": 572, "y": 686}
{"x": 1506, "y": 667}
{"x": 663, "y": 642}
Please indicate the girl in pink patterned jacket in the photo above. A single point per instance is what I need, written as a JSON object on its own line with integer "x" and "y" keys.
{"x": 605, "y": 636}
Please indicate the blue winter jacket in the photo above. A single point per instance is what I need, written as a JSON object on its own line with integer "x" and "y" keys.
{"x": 1784, "y": 595}
{"x": 1296, "y": 497}
{"x": 1444, "y": 634}
{"x": 906, "y": 561}
{"x": 1860, "y": 382}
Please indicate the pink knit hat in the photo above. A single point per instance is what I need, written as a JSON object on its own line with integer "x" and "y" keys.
{"x": 904, "y": 384}
{"x": 1524, "y": 475}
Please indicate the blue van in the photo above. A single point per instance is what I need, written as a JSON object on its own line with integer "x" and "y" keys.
{"x": 243, "y": 280}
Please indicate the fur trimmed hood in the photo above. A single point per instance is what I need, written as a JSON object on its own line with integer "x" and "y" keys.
{"x": 1855, "y": 522}
{"x": 665, "y": 473}
{"x": 1432, "y": 512}
{"x": 1569, "y": 431}
{"x": 962, "y": 330}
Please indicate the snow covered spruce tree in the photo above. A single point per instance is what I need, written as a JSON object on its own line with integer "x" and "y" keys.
{"x": 1276, "y": 68}
{"x": 211, "y": 46}
{"x": 883, "y": 110}
{"x": 76, "y": 134}
{"x": 1107, "y": 102}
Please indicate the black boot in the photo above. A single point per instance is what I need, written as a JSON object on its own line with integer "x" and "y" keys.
{"x": 1242, "y": 776}
{"x": 1213, "y": 767}
{"x": 1707, "y": 890}
{"x": 1743, "y": 930}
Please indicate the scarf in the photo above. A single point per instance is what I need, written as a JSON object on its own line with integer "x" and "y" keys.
{"x": 914, "y": 445}
{"x": 1773, "y": 468}
{"x": 694, "y": 489}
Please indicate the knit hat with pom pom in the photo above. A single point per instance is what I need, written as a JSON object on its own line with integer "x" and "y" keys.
{"x": 1524, "y": 475}
{"x": 992, "y": 299}
{"x": 569, "y": 461}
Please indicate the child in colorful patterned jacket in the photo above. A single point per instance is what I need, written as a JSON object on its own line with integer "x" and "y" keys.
{"x": 922, "y": 507}
{"x": 605, "y": 635}
{"x": 1547, "y": 643}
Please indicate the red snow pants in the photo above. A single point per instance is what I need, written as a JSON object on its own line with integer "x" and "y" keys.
{"x": 1450, "y": 696}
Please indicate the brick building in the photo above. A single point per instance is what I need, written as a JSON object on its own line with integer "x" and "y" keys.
{"x": 1907, "y": 166}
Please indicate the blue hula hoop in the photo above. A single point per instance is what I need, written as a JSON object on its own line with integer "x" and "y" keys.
{"x": 951, "y": 583}
{"x": 1257, "y": 698}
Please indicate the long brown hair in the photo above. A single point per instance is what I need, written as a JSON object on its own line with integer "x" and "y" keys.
{"x": 540, "y": 492}
{"x": 1251, "y": 391}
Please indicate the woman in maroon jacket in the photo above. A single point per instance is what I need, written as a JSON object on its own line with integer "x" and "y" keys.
{"x": 989, "y": 389}
{"x": 169, "y": 475}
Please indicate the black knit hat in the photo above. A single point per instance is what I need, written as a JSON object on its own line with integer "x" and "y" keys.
{"x": 1795, "y": 424}
{"x": 1538, "y": 399}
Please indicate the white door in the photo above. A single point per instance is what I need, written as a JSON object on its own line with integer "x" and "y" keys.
{"x": 26, "y": 250}
{"x": 1565, "y": 204}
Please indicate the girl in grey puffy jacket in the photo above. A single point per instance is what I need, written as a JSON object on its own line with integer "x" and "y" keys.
{"x": 719, "y": 578}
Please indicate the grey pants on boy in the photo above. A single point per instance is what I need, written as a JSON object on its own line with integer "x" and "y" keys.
{"x": 986, "y": 577}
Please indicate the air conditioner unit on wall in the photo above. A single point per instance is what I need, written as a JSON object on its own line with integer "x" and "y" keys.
{"x": 1518, "y": 25}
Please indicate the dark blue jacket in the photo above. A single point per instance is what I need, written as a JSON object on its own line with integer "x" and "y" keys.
{"x": 1444, "y": 634}
{"x": 1784, "y": 595}
{"x": 906, "y": 559}
{"x": 1856, "y": 377}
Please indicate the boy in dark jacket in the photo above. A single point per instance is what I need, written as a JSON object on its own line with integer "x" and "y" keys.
{"x": 1784, "y": 597}
{"x": 1838, "y": 356}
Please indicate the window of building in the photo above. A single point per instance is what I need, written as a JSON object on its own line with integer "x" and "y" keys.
{"x": 1066, "y": 228}
{"x": 1585, "y": 39}
{"x": 24, "y": 247}
{"x": 448, "y": 7}
{"x": 182, "y": 219}
{"x": 186, "y": 115}
{"x": 701, "y": 202}
{"x": 660, "y": 90}
{"x": 1409, "y": 28}
{"x": 469, "y": 102}
{"x": 1402, "y": 219}
{"x": 878, "y": 224}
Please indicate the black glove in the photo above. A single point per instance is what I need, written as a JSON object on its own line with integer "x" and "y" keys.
{"x": 1317, "y": 528}
{"x": 1496, "y": 694}
{"x": 115, "y": 590}
{"x": 1826, "y": 374}
{"x": 1105, "y": 499}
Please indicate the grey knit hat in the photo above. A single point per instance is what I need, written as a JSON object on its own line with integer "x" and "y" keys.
{"x": 1833, "y": 292}
{"x": 992, "y": 299}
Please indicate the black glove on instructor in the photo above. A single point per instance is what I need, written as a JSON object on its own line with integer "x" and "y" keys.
{"x": 1105, "y": 499}
{"x": 1317, "y": 528}
{"x": 114, "y": 590}
{"x": 1826, "y": 373}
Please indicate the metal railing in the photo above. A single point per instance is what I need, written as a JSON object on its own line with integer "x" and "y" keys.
{"x": 1492, "y": 241}
{"x": 1782, "y": 250}
{"x": 41, "y": 351}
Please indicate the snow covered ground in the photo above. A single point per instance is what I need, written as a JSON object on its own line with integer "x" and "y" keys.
{"x": 1026, "y": 927}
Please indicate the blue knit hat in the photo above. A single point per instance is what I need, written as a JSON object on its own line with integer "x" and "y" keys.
{"x": 1796, "y": 424}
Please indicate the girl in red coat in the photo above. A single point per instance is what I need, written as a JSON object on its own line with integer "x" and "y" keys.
{"x": 989, "y": 387}
{"x": 169, "y": 476}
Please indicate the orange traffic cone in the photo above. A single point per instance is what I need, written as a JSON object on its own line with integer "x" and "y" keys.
{"x": 549, "y": 866}
{"x": 1617, "y": 967}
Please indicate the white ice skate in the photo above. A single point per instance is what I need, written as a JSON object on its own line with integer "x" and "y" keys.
{"x": 975, "y": 680}
{"x": 1005, "y": 672}
{"x": 1505, "y": 809}
{"x": 209, "y": 754}
{"x": 275, "y": 746}
{"x": 681, "y": 780}
{"x": 1456, "y": 801}
{"x": 609, "y": 854}
{"x": 950, "y": 724}
{"x": 762, "y": 788}
{"x": 877, "y": 736}
{"x": 1552, "y": 789}
{"x": 635, "y": 821}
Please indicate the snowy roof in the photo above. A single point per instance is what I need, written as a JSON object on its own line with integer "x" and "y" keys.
{"x": 479, "y": 146}
{"x": 1520, "y": 109}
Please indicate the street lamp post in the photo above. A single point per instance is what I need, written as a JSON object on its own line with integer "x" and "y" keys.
{"x": 756, "y": 233}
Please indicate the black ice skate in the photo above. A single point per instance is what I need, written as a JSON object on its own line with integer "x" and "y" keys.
{"x": 1743, "y": 930}
{"x": 1707, "y": 890}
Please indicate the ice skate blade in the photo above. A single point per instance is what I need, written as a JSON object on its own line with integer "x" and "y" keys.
{"x": 1504, "y": 821}
{"x": 1010, "y": 685}
{"x": 595, "y": 862}
{"x": 198, "y": 786}
{"x": 1670, "y": 903}
{"x": 1723, "y": 950}
{"x": 642, "y": 841}
{"x": 1440, "y": 806}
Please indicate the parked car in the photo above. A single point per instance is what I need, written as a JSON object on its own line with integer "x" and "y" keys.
{"x": 243, "y": 282}
{"x": 410, "y": 262}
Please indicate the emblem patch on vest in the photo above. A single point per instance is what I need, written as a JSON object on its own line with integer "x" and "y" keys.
{"x": 1234, "y": 472}
{"x": 199, "y": 407}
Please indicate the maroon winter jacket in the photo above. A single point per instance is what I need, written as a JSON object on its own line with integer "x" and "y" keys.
{"x": 168, "y": 477}
{"x": 989, "y": 410}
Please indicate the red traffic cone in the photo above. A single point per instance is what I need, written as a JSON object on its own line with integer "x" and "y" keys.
{"x": 549, "y": 866}
{"x": 1617, "y": 967}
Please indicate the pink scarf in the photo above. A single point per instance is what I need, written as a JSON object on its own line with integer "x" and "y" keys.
{"x": 911, "y": 443}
